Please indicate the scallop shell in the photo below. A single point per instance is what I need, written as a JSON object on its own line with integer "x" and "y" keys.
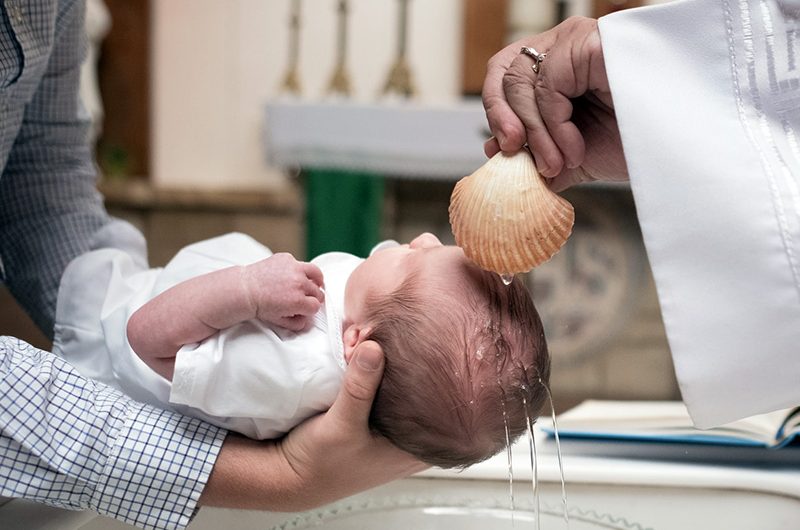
{"x": 505, "y": 218}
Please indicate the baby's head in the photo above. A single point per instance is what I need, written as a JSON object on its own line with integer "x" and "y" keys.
{"x": 465, "y": 354}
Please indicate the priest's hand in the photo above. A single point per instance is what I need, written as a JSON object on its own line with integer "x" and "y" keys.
{"x": 564, "y": 112}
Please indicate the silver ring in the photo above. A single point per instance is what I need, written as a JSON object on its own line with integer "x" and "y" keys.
{"x": 536, "y": 56}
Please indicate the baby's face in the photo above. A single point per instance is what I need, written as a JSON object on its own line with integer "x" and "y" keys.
{"x": 385, "y": 271}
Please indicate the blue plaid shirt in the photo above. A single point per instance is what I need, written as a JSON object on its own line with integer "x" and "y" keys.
{"x": 65, "y": 440}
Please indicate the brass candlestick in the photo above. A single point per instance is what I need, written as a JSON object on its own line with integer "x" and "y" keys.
{"x": 400, "y": 80}
{"x": 340, "y": 81}
{"x": 291, "y": 81}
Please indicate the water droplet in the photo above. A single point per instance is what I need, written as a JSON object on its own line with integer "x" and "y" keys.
{"x": 507, "y": 278}
{"x": 479, "y": 354}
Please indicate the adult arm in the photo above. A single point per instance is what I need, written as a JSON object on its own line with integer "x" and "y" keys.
{"x": 279, "y": 290}
{"x": 49, "y": 207}
{"x": 72, "y": 443}
{"x": 147, "y": 466}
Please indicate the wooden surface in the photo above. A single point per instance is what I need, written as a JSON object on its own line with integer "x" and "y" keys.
{"x": 604, "y": 7}
{"x": 124, "y": 78}
{"x": 484, "y": 35}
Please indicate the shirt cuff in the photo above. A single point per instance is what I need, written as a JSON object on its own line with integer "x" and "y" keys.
{"x": 157, "y": 469}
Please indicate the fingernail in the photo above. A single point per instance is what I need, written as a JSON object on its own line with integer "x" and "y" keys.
{"x": 544, "y": 169}
{"x": 368, "y": 359}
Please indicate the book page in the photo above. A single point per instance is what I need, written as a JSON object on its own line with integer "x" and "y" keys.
{"x": 663, "y": 420}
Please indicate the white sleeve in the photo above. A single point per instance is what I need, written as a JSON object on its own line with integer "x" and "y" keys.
{"x": 256, "y": 380}
{"x": 707, "y": 96}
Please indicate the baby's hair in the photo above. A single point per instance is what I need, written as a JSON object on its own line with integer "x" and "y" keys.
{"x": 457, "y": 374}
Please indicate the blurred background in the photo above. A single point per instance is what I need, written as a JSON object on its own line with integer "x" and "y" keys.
{"x": 315, "y": 125}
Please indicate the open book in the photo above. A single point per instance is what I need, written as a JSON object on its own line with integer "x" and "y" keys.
{"x": 668, "y": 421}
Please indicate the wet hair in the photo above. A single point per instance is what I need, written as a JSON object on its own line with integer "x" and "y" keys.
{"x": 464, "y": 364}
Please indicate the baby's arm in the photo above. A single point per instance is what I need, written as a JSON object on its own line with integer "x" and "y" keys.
{"x": 279, "y": 290}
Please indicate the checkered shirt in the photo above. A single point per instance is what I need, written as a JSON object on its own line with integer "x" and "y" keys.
{"x": 65, "y": 440}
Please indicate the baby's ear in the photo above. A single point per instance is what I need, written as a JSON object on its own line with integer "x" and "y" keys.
{"x": 353, "y": 335}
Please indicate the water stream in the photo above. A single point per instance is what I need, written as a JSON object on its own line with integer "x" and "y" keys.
{"x": 534, "y": 466}
{"x": 534, "y": 461}
{"x": 510, "y": 466}
{"x": 558, "y": 454}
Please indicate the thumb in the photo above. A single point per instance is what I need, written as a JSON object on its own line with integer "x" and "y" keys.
{"x": 361, "y": 381}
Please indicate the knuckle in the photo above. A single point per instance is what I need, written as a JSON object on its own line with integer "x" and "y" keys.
{"x": 593, "y": 44}
{"x": 495, "y": 61}
{"x": 517, "y": 136}
{"x": 296, "y": 298}
{"x": 572, "y": 21}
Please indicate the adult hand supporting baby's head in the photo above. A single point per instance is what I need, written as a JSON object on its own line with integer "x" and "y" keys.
{"x": 327, "y": 457}
{"x": 335, "y": 454}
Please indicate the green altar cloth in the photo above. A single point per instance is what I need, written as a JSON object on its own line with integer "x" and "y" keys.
{"x": 343, "y": 211}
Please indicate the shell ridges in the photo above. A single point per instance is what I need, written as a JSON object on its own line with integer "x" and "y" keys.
{"x": 506, "y": 218}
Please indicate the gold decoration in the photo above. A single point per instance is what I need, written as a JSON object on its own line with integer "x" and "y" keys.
{"x": 340, "y": 80}
{"x": 400, "y": 80}
{"x": 291, "y": 81}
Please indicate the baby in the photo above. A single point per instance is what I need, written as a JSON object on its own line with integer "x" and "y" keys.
{"x": 256, "y": 342}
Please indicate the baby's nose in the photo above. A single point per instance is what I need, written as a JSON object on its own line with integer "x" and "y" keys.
{"x": 425, "y": 240}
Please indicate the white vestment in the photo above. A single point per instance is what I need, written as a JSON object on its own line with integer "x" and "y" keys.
{"x": 707, "y": 95}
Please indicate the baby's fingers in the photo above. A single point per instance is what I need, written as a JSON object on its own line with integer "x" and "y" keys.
{"x": 313, "y": 290}
{"x": 314, "y": 274}
{"x": 309, "y": 305}
{"x": 303, "y": 313}
{"x": 295, "y": 322}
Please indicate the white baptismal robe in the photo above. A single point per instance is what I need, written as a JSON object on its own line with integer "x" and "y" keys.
{"x": 253, "y": 378}
{"x": 707, "y": 95}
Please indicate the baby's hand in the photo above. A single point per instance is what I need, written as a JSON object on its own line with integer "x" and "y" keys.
{"x": 284, "y": 291}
